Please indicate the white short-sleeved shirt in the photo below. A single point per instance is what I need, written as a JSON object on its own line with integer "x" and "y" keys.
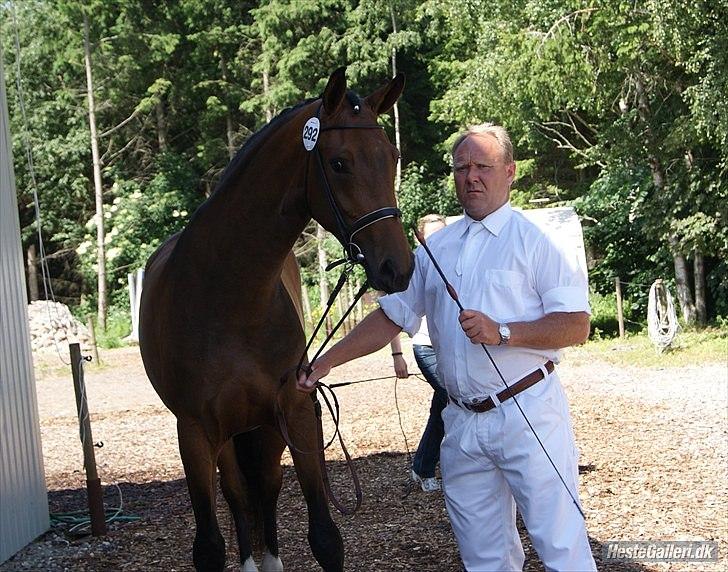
{"x": 422, "y": 337}
{"x": 518, "y": 275}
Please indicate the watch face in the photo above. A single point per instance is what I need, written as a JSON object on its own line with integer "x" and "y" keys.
{"x": 504, "y": 331}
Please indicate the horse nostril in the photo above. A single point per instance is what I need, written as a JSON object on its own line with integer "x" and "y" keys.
{"x": 391, "y": 279}
{"x": 387, "y": 270}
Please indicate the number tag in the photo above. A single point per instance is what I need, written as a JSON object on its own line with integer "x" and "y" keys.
{"x": 311, "y": 133}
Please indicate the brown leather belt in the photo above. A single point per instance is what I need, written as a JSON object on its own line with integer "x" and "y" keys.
{"x": 521, "y": 385}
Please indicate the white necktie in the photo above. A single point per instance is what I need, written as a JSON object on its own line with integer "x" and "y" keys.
{"x": 469, "y": 252}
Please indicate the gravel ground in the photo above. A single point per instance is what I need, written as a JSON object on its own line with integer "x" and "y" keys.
{"x": 654, "y": 457}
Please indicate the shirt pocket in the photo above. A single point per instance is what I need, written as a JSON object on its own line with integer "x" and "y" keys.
{"x": 503, "y": 297}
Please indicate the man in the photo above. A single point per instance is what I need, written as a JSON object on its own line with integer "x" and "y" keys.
{"x": 524, "y": 297}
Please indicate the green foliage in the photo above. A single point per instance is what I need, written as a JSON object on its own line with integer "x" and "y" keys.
{"x": 604, "y": 320}
{"x": 419, "y": 195}
{"x": 616, "y": 108}
{"x": 118, "y": 327}
{"x": 140, "y": 219}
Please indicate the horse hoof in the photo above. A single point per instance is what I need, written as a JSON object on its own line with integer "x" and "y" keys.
{"x": 271, "y": 563}
{"x": 249, "y": 565}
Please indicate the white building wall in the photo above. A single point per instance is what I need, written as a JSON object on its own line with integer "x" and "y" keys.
{"x": 23, "y": 494}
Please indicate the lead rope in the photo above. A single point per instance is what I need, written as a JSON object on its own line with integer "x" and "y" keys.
{"x": 333, "y": 410}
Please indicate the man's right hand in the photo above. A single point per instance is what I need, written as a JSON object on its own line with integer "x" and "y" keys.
{"x": 307, "y": 383}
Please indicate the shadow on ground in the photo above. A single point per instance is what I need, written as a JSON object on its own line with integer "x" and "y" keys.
{"x": 398, "y": 527}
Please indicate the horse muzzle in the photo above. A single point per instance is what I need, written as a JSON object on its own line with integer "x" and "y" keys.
{"x": 390, "y": 276}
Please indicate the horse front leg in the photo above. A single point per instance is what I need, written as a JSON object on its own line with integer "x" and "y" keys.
{"x": 323, "y": 534}
{"x": 199, "y": 458}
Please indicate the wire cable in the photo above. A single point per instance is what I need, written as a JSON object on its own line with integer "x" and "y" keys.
{"x": 45, "y": 271}
{"x": 662, "y": 324}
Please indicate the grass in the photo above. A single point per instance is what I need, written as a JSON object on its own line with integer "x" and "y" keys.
{"x": 688, "y": 348}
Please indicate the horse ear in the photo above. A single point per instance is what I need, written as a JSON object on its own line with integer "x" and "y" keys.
{"x": 335, "y": 91}
{"x": 384, "y": 98}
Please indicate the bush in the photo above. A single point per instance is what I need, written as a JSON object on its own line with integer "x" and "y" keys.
{"x": 118, "y": 327}
{"x": 604, "y": 321}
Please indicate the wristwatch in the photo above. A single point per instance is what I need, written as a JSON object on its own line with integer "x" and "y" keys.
{"x": 505, "y": 334}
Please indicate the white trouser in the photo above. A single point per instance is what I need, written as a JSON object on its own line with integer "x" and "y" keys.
{"x": 489, "y": 459}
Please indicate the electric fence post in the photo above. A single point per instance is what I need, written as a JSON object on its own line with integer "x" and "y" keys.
{"x": 93, "y": 483}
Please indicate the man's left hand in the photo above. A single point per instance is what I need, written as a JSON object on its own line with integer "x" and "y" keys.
{"x": 479, "y": 328}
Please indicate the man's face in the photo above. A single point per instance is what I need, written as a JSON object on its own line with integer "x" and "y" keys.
{"x": 482, "y": 177}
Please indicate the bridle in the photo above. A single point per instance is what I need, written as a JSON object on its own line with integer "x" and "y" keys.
{"x": 345, "y": 232}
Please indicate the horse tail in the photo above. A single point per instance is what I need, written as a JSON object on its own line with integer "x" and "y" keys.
{"x": 249, "y": 451}
{"x": 248, "y": 454}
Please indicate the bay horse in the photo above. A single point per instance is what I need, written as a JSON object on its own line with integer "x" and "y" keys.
{"x": 221, "y": 327}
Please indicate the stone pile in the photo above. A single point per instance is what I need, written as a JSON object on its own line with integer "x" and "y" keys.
{"x": 51, "y": 323}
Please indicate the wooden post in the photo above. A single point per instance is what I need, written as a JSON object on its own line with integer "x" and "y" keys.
{"x": 307, "y": 319}
{"x": 359, "y": 304}
{"x": 93, "y": 483}
{"x": 341, "y": 309}
{"x": 351, "y": 320}
{"x": 92, "y": 335}
{"x": 620, "y": 315}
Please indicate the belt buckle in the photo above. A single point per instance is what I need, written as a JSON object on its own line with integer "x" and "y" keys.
{"x": 476, "y": 403}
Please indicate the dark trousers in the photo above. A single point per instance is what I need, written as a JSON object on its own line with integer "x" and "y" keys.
{"x": 428, "y": 451}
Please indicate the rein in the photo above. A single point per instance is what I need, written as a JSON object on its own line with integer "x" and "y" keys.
{"x": 333, "y": 410}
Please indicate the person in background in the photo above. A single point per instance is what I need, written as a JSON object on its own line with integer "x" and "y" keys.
{"x": 428, "y": 452}
{"x": 524, "y": 298}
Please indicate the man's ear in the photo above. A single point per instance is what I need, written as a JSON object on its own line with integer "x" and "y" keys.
{"x": 384, "y": 98}
{"x": 511, "y": 170}
{"x": 335, "y": 91}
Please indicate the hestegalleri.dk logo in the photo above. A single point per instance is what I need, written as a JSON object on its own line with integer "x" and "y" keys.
{"x": 661, "y": 550}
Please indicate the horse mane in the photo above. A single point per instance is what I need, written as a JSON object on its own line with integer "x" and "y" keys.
{"x": 239, "y": 161}
{"x": 241, "y": 157}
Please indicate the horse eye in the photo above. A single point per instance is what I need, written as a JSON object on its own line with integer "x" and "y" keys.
{"x": 337, "y": 165}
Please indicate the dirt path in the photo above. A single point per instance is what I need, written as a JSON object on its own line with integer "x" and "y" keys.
{"x": 654, "y": 456}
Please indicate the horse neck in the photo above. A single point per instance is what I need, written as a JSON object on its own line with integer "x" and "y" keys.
{"x": 250, "y": 224}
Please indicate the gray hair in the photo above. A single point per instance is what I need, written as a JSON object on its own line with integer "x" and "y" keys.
{"x": 487, "y": 129}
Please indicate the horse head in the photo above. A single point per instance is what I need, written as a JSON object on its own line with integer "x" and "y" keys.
{"x": 351, "y": 180}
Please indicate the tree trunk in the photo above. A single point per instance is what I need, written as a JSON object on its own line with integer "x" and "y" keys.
{"x": 323, "y": 284}
{"x": 659, "y": 180}
{"x": 701, "y": 312}
{"x": 682, "y": 283}
{"x": 397, "y": 139}
{"x": 230, "y": 135}
{"x": 161, "y": 126}
{"x": 98, "y": 189}
{"x": 229, "y": 130}
{"x": 266, "y": 90}
{"x": 32, "y": 274}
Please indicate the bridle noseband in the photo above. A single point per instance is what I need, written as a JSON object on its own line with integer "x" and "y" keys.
{"x": 345, "y": 232}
